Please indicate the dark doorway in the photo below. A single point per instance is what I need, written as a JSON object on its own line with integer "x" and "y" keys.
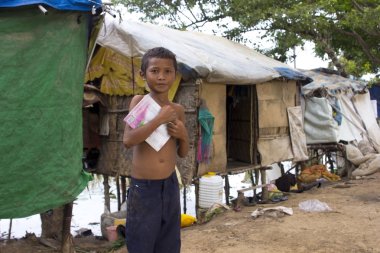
{"x": 240, "y": 125}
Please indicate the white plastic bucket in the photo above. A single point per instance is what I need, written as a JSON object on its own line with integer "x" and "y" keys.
{"x": 210, "y": 190}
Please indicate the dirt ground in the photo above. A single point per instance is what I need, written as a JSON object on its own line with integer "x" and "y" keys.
{"x": 353, "y": 226}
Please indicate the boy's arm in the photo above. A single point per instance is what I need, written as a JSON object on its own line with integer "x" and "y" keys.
{"x": 138, "y": 135}
{"x": 178, "y": 130}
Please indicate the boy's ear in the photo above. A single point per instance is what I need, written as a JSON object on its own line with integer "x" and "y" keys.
{"x": 142, "y": 74}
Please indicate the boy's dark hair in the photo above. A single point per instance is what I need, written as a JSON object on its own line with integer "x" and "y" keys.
{"x": 157, "y": 52}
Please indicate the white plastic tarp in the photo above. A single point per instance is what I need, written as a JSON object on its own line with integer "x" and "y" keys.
{"x": 297, "y": 134}
{"x": 374, "y": 105}
{"x": 352, "y": 126}
{"x": 320, "y": 126}
{"x": 216, "y": 59}
{"x": 363, "y": 105}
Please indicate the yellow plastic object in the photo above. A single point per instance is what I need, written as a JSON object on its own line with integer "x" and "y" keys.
{"x": 209, "y": 174}
{"x": 96, "y": 68}
{"x": 187, "y": 220}
{"x": 118, "y": 222}
{"x": 174, "y": 88}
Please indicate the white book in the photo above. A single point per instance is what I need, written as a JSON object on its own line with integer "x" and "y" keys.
{"x": 144, "y": 112}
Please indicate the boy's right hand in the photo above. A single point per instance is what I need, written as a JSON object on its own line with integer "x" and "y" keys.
{"x": 167, "y": 114}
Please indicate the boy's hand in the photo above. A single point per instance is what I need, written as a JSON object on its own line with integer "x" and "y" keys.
{"x": 167, "y": 114}
{"x": 176, "y": 129}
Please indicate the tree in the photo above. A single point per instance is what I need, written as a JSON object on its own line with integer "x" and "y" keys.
{"x": 347, "y": 32}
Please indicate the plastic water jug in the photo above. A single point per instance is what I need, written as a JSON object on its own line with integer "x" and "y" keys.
{"x": 210, "y": 190}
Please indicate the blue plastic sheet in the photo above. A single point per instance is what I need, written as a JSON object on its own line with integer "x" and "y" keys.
{"x": 75, "y": 5}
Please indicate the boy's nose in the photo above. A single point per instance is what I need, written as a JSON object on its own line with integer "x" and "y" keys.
{"x": 161, "y": 76}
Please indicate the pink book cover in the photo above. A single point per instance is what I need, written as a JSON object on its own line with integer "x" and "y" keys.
{"x": 142, "y": 113}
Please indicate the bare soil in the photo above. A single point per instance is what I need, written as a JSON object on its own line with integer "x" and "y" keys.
{"x": 353, "y": 226}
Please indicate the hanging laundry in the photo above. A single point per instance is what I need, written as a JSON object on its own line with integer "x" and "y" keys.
{"x": 206, "y": 120}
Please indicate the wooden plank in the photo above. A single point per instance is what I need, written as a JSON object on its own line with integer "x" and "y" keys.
{"x": 253, "y": 187}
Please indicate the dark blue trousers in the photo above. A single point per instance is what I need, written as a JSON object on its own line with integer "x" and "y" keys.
{"x": 153, "y": 216}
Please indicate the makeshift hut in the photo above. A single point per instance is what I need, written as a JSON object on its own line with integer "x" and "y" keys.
{"x": 338, "y": 112}
{"x": 236, "y": 100}
{"x": 43, "y": 58}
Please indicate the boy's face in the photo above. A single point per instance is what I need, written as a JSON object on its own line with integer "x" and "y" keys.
{"x": 160, "y": 74}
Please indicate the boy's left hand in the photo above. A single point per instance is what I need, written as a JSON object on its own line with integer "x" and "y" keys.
{"x": 176, "y": 129}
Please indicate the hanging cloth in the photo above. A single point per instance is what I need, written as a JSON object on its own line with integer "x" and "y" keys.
{"x": 206, "y": 120}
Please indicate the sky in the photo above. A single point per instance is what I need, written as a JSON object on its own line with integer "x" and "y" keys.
{"x": 306, "y": 60}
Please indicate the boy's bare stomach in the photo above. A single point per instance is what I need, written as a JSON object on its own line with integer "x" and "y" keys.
{"x": 150, "y": 164}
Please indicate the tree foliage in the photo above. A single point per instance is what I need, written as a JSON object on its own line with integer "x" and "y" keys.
{"x": 347, "y": 32}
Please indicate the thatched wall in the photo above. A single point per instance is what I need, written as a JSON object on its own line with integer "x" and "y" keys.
{"x": 188, "y": 96}
{"x": 114, "y": 158}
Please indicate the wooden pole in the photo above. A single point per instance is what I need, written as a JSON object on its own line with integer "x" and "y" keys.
{"x": 227, "y": 189}
{"x": 118, "y": 193}
{"x": 67, "y": 240}
{"x": 123, "y": 188}
{"x": 10, "y": 229}
{"x": 257, "y": 175}
{"x": 184, "y": 199}
{"x": 196, "y": 186}
{"x": 106, "y": 192}
{"x": 253, "y": 183}
{"x": 265, "y": 193}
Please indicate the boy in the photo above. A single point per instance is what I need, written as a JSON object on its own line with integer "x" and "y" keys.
{"x": 153, "y": 208}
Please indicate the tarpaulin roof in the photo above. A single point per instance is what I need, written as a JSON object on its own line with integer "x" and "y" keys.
{"x": 321, "y": 79}
{"x": 75, "y": 5}
{"x": 42, "y": 64}
{"x": 293, "y": 74}
{"x": 214, "y": 58}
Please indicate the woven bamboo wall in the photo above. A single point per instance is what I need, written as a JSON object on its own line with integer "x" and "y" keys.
{"x": 114, "y": 158}
{"x": 188, "y": 96}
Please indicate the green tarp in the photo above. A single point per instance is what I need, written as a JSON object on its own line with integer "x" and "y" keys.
{"x": 42, "y": 61}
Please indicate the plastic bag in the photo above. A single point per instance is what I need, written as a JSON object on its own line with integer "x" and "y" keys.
{"x": 314, "y": 205}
